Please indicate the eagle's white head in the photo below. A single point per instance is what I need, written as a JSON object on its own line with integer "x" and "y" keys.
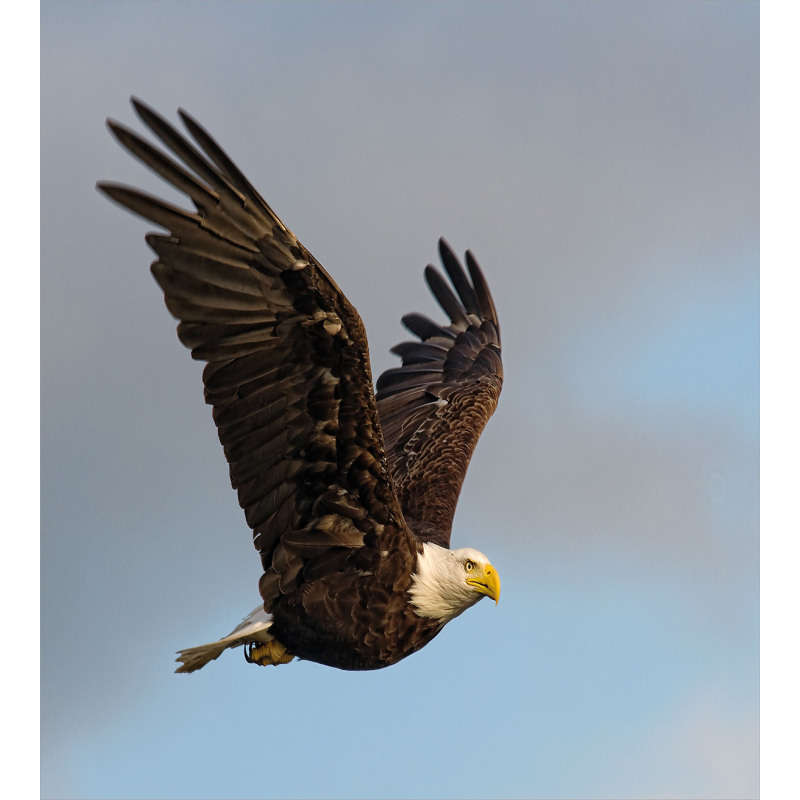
{"x": 447, "y": 582}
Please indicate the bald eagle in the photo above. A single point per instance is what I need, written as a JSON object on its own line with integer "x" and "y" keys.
{"x": 350, "y": 493}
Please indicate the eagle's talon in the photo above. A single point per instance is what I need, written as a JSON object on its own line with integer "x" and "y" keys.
{"x": 267, "y": 654}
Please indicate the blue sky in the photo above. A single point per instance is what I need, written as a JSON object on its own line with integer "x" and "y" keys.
{"x": 601, "y": 161}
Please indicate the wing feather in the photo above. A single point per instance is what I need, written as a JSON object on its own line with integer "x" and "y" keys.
{"x": 445, "y": 297}
{"x": 426, "y": 329}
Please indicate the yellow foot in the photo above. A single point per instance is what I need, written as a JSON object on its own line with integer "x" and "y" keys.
{"x": 272, "y": 652}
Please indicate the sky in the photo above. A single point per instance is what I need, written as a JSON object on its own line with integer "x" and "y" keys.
{"x": 602, "y": 162}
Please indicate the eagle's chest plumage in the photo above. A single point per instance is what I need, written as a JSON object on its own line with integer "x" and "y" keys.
{"x": 355, "y": 621}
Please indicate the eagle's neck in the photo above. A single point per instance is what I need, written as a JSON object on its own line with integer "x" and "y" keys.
{"x": 438, "y": 589}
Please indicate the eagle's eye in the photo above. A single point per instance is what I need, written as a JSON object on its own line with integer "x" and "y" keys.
{"x": 469, "y": 565}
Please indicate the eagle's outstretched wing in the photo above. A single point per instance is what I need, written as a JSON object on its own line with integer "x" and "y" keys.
{"x": 434, "y": 407}
{"x": 287, "y": 371}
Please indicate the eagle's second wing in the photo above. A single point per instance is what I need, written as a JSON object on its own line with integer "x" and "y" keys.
{"x": 287, "y": 371}
{"x": 434, "y": 407}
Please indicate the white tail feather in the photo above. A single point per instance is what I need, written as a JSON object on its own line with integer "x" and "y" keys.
{"x": 253, "y": 628}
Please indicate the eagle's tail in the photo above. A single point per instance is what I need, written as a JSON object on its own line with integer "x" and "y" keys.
{"x": 252, "y": 630}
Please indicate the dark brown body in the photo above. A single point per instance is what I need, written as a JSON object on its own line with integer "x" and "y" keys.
{"x": 352, "y": 621}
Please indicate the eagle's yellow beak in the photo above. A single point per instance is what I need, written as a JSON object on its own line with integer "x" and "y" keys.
{"x": 487, "y": 583}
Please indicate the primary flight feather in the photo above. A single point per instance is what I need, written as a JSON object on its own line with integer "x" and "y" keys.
{"x": 350, "y": 493}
